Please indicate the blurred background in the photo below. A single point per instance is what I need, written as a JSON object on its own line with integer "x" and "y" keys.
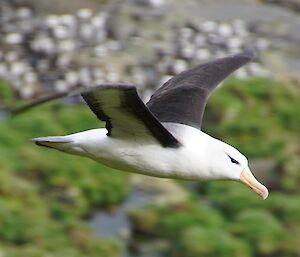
{"x": 54, "y": 205}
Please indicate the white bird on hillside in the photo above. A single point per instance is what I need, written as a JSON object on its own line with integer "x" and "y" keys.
{"x": 163, "y": 137}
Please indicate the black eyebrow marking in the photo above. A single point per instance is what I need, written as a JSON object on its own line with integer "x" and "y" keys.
{"x": 232, "y": 159}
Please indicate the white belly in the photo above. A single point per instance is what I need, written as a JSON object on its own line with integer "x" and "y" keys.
{"x": 148, "y": 158}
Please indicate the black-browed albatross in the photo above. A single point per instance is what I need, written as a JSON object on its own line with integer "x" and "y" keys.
{"x": 162, "y": 138}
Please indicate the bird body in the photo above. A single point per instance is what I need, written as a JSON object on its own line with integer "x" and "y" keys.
{"x": 162, "y": 138}
{"x": 149, "y": 157}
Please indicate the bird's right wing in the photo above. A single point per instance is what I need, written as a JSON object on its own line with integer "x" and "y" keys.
{"x": 126, "y": 116}
{"x": 119, "y": 106}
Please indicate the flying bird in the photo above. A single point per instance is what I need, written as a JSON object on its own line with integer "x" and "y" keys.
{"x": 162, "y": 138}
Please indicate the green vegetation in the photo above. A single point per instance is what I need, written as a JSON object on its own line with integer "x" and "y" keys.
{"x": 6, "y": 94}
{"x": 45, "y": 196}
{"x": 261, "y": 118}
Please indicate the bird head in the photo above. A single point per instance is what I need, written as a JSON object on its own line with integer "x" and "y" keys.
{"x": 233, "y": 165}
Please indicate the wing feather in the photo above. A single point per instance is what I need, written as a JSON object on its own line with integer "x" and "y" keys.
{"x": 183, "y": 98}
{"x": 125, "y": 114}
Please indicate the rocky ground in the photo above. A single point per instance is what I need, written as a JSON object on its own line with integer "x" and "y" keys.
{"x": 293, "y": 5}
{"x": 143, "y": 42}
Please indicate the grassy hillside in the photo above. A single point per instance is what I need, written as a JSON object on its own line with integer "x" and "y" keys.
{"x": 226, "y": 219}
{"x": 45, "y": 195}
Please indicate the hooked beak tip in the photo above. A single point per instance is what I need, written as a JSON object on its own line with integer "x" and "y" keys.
{"x": 264, "y": 193}
{"x": 249, "y": 180}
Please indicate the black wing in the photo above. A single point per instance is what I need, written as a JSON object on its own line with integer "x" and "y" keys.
{"x": 126, "y": 115}
{"x": 183, "y": 98}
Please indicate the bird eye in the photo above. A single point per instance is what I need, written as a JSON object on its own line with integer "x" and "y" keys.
{"x": 233, "y": 160}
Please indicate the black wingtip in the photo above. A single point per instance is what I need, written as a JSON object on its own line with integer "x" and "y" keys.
{"x": 249, "y": 53}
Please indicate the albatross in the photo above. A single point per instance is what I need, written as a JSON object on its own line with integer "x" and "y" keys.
{"x": 163, "y": 137}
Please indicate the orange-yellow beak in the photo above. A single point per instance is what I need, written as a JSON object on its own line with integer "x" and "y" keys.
{"x": 249, "y": 180}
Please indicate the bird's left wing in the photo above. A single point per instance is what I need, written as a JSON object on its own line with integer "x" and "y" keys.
{"x": 125, "y": 114}
{"x": 183, "y": 98}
